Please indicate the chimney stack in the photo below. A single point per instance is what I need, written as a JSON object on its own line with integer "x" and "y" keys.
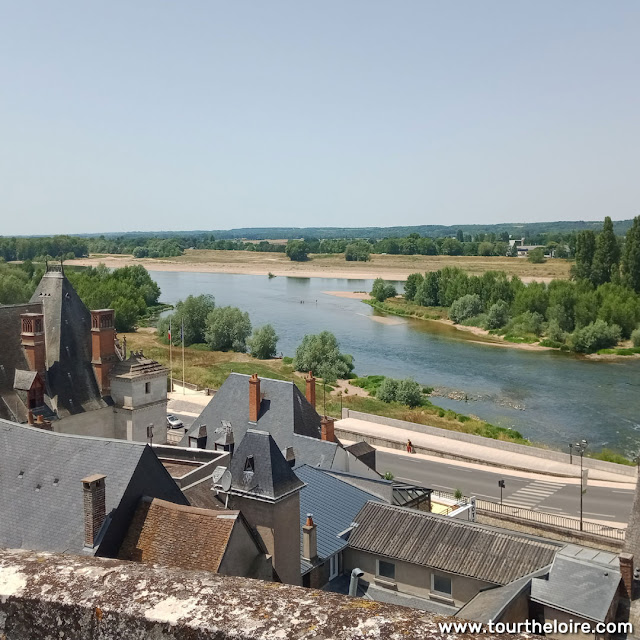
{"x": 310, "y": 540}
{"x": 626, "y": 571}
{"x": 254, "y": 398}
{"x": 95, "y": 508}
{"x": 103, "y": 347}
{"x": 311, "y": 389}
{"x": 327, "y": 431}
{"x": 32, "y": 338}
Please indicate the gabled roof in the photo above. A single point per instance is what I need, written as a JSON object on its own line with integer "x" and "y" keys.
{"x": 284, "y": 411}
{"x": 464, "y": 548}
{"x": 581, "y": 588}
{"x": 164, "y": 533}
{"x": 360, "y": 448}
{"x": 71, "y": 382}
{"x": 41, "y": 489}
{"x": 258, "y": 469}
{"x": 334, "y": 505}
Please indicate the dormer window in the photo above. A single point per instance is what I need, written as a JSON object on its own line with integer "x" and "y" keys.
{"x": 248, "y": 464}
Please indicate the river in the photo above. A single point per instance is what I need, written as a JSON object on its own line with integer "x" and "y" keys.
{"x": 550, "y": 397}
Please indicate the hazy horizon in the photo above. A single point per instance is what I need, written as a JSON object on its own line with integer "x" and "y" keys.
{"x": 146, "y": 116}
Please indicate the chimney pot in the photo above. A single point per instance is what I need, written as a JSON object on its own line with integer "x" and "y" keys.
{"x": 254, "y": 398}
{"x": 30, "y": 417}
{"x": 33, "y": 341}
{"x": 310, "y": 540}
{"x": 311, "y": 389}
{"x": 95, "y": 510}
{"x": 327, "y": 429}
{"x": 103, "y": 347}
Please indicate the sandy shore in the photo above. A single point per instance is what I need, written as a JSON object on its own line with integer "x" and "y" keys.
{"x": 381, "y": 266}
{"x": 352, "y": 295}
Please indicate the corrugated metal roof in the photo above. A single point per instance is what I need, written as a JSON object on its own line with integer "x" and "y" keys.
{"x": 334, "y": 505}
{"x": 454, "y": 546}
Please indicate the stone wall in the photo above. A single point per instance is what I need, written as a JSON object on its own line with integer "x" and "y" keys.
{"x": 79, "y": 598}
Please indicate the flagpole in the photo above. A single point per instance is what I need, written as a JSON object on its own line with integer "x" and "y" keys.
{"x": 170, "y": 359}
{"x": 182, "y": 333}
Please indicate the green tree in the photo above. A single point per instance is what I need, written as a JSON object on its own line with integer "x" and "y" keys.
{"x": 485, "y": 249}
{"x": 635, "y": 338}
{"x": 388, "y": 390}
{"x": 411, "y": 285}
{"x": 452, "y": 247}
{"x": 606, "y": 255}
{"x": 409, "y": 392}
{"x": 227, "y": 328}
{"x": 460, "y": 235}
{"x": 630, "y": 266}
{"x": 297, "y": 250}
{"x": 382, "y": 290}
{"x": 263, "y": 341}
{"x": 193, "y": 312}
{"x": 498, "y": 315}
{"x": 595, "y": 336}
{"x": 427, "y": 290}
{"x": 357, "y": 252}
{"x": 585, "y": 250}
{"x": 321, "y": 354}
{"x": 465, "y": 307}
{"x": 536, "y": 256}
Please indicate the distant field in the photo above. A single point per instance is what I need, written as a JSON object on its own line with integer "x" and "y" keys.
{"x": 335, "y": 266}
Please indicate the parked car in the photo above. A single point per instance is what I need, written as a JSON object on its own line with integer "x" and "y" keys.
{"x": 173, "y": 422}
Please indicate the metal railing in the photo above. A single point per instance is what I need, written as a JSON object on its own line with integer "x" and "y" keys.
{"x": 552, "y": 519}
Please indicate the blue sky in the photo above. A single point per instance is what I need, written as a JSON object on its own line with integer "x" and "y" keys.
{"x": 141, "y": 115}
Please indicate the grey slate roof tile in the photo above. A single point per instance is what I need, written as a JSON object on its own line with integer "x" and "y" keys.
{"x": 334, "y": 505}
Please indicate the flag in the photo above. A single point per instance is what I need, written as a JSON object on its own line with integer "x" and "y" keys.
{"x": 169, "y": 331}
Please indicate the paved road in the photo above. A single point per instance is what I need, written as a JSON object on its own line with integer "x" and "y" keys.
{"x": 550, "y": 495}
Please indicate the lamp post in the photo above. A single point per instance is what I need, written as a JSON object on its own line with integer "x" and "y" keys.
{"x": 502, "y": 486}
{"x": 570, "y": 453}
{"x": 581, "y": 447}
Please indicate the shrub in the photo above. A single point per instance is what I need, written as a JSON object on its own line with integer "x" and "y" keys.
{"x": 382, "y": 290}
{"x": 635, "y": 338}
{"x": 409, "y": 392}
{"x": 555, "y": 333}
{"x": 597, "y": 335}
{"x": 388, "y": 390}
{"x": 287, "y": 360}
{"x": 498, "y": 315}
{"x": 465, "y": 307}
{"x": 263, "y": 342}
{"x": 528, "y": 322}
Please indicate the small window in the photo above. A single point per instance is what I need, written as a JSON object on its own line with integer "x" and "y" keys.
{"x": 441, "y": 584}
{"x": 386, "y": 570}
{"x": 248, "y": 464}
{"x": 147, "y": 387}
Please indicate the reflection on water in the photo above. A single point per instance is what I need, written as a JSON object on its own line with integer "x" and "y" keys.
{"x": 565, "y": 399}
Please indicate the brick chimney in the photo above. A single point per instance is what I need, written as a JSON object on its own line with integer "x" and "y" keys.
{"x": 626, "y": 570}
{"x": 327, "y": 431}
{"x": 103, "y": 347}
{"x": 254, "y": 398}
{"x": 32, "y": 338}
{"x": 311, "y": 389}
{"x": 310, "y": 540}
{"x": 41, "y": 423}
{"x": 95, "y": 508}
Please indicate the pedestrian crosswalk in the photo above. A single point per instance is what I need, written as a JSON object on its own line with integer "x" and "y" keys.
{"x": 531, "y": 495}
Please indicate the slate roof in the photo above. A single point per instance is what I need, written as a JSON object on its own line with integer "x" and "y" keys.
{"x": 41, "y": 499}
{"x": 270, "y": 476}
{"x": 24, "y": 379}
{"x": 454, "y": 546}
{"x": 137, "y": 365}
{"x": 579, "y": 587}
{"x": 334, "y": 505}
{"x": 360, "y": 448}
{"x": 12, "y": 358}
{"x": 163, "y": 533}
{"x": 285, "y": 413}
{"x": 71, "y": 382}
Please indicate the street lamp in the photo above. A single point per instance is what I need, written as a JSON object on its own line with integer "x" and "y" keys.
{"x": 570, "y": 453}
{"x": 581, "y": 447}
{"x": 502, "y": 486}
